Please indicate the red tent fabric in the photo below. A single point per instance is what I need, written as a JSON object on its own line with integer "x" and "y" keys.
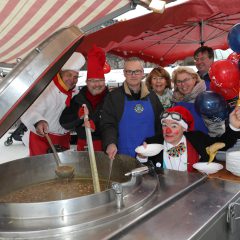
{"x": 171, "y": 36}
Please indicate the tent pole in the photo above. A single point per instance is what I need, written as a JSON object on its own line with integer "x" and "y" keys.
{"x": 89, "y": 28}
{"x": 201, "y": 23}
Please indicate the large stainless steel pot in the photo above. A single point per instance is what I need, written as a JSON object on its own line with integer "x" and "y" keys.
{"x": 32, "y": 220}
{"x": 171, "y": 205}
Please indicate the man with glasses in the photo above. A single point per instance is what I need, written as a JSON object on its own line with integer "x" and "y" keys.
{"x": 92, "y": 95}
{"x": 204, "y": 57}
{"x": 130, "y": 113}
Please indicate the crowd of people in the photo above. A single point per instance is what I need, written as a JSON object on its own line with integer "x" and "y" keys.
{"x": 160, "y": 109}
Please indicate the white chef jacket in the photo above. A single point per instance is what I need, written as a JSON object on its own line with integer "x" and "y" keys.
{"x": 48, "y": 106}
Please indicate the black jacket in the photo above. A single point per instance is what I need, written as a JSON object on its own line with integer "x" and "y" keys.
{"x": 113, "y": 109}
{"x": 69, "y": 118}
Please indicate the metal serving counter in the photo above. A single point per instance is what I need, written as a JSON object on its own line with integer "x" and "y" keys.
{"x": 199, "y": 214}
{"x": 187, "y": 206}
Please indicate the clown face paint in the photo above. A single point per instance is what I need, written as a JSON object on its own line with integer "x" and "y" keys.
{"x": 172, "y": 131}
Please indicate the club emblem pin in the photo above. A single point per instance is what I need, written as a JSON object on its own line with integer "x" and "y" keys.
{"x": 138, "y": 108}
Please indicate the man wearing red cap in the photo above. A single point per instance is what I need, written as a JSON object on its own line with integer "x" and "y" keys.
{"x": 92, "y": 96}
{"x": 183, "y": 147}
{"x": 130, "y": 113}
{"x": 43, "y": 115}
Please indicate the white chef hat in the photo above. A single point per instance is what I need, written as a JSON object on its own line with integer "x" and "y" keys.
{"x": 75, "y": 62}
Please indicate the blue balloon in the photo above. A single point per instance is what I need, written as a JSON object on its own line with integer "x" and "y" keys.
{"x": 234, "y": 38}
{"x": 212, "y": 105}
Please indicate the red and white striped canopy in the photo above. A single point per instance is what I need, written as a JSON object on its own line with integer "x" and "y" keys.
{"x": 24, "y": 24}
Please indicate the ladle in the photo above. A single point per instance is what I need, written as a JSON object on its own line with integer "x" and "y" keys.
{"x": 110, "y": 172}
{"x": 62, "y": 171}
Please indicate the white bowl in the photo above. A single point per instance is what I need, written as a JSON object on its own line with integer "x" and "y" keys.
{"x": 233, "y": 162}
{"x": 208, "y": 168}
{"x": 233, "y": 155}
{"x": 150, "y": 150}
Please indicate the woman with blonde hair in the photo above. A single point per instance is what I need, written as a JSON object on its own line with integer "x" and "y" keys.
{"x": 159, "y": 81}
{"x": 187, "y": 86}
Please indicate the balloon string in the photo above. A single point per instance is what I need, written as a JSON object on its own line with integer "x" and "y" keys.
{"x": 234, "y": 89}
{"x": 238, "y": 101}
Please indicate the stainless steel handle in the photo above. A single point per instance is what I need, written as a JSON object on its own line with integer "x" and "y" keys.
{"x": 138, "y": 171}
{"x": 56, "y": 157}
{"x": 92, "y": 158}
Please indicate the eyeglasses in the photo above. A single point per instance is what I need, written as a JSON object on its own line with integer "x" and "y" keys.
{"x": 135, "y": 72}
{"x": 178, "y": 82}
{"x": 93, "y": 81}
{"x": 200, "y": 59}
{"x": 174, "y": 115}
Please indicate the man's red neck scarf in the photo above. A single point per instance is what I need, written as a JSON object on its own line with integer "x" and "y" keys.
{"x": 63, "y": 88}
{"x": 95, "y": 100}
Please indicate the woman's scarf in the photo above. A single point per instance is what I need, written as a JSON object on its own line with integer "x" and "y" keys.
{"x": 166, "y": 98}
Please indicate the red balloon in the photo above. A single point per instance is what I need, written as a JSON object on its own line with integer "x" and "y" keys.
{"x": 106, "y": 68}
{"x": 224, "y": 74}
{"x": 234, "y": 57}
{"x": 227, "y": 93}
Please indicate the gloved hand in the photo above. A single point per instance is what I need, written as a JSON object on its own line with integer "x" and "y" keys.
{"x": 92, "y": 125}
{"x": 213, "y": 149}
{"x": 81, "y": 112}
